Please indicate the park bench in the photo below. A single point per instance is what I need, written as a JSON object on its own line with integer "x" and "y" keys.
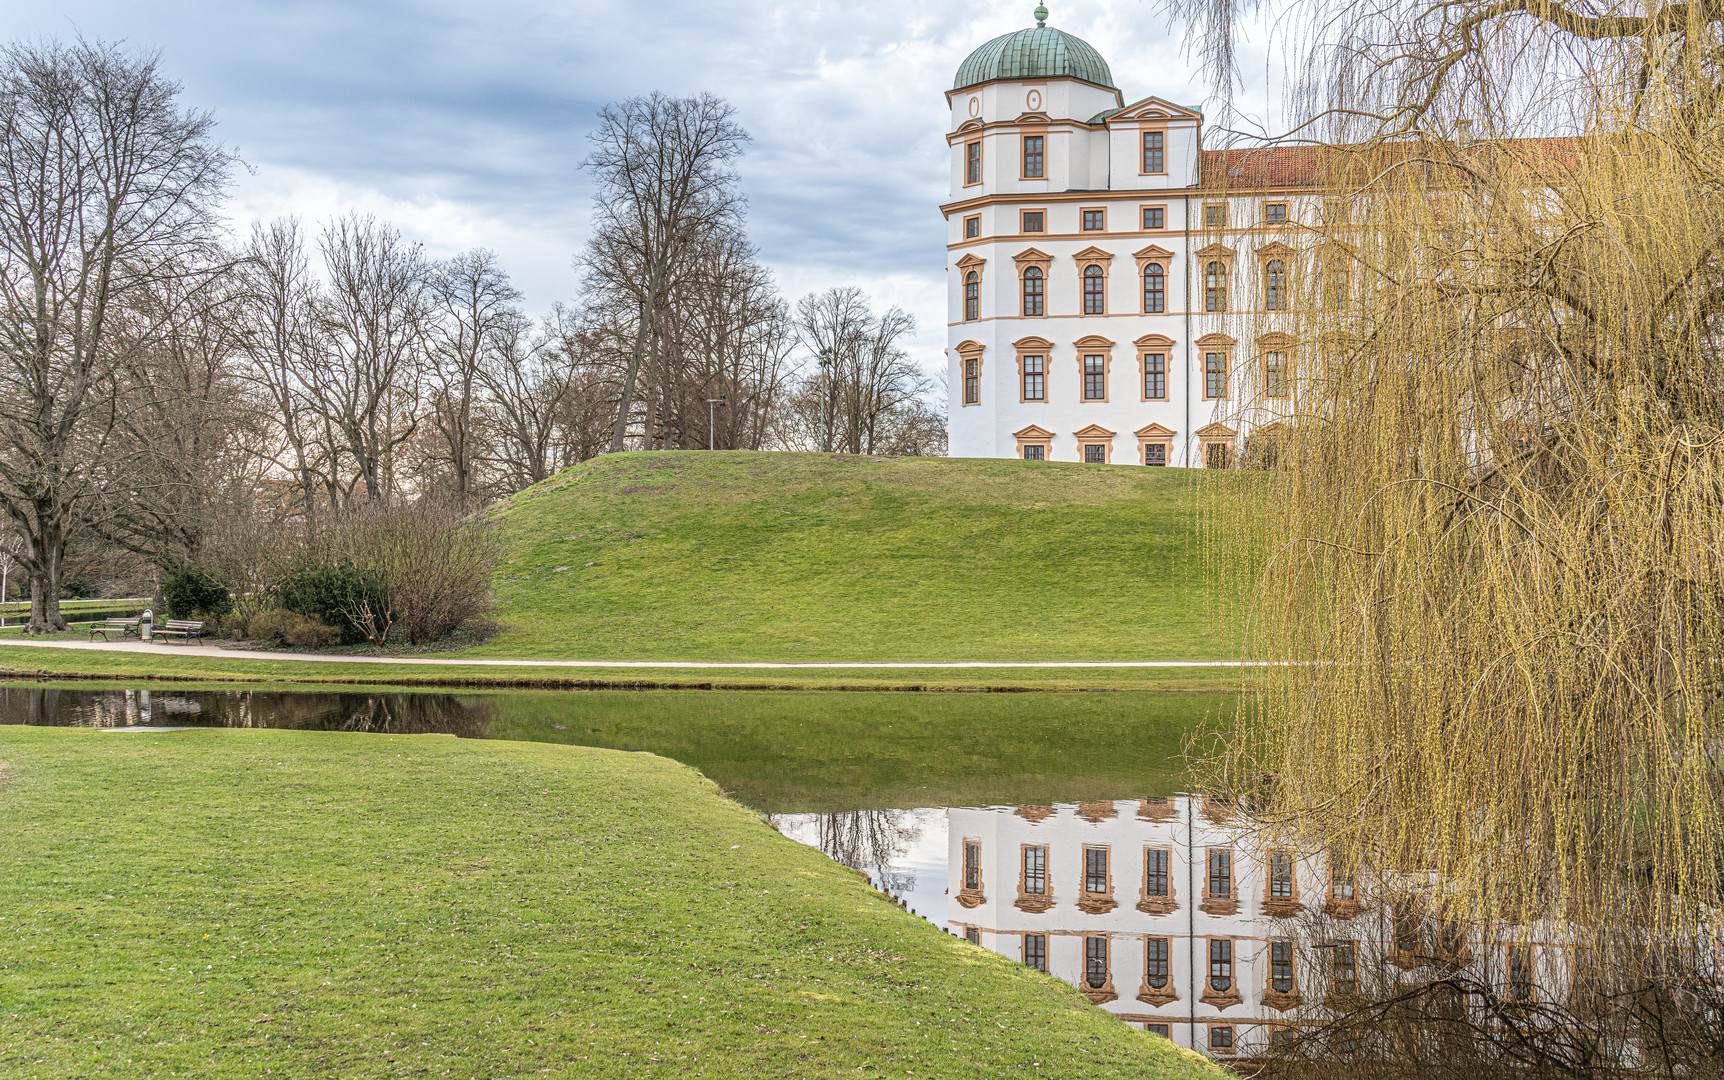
{"x": 121, "y": 627}
{"x": 185, "y": 629}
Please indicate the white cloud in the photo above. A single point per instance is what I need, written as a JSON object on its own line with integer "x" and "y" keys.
{"x": 465, "y": 124}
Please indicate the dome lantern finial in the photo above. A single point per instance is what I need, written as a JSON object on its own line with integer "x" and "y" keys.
{"x": 1041, "y": 14}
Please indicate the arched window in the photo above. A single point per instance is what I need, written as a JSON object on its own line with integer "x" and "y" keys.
{"x": 972, "y": 296}
{"x": 1275, "y": 286}
{"x": 1033, "y": 291}
{"x": 1215, "y": 287}
{"x": 1154, "y": 288}
{"x": 1094, "y": 291}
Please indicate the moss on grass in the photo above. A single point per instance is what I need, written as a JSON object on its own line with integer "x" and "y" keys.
{"x": 238, "y": 903}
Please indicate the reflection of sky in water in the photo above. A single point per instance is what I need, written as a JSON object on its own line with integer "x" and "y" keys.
{"x": 915, "y": 870}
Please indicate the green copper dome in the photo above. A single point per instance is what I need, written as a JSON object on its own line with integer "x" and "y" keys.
{"x": 1039, "y": 52}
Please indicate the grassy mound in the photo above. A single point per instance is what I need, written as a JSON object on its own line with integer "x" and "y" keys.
{"x": 306, "y": 904}
{"x": 751, "y": 556}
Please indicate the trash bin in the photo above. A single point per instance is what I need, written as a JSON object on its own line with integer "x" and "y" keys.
{"x": 146, "y": 625}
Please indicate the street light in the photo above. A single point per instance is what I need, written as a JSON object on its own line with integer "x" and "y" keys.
{"x": 711, "y": 425}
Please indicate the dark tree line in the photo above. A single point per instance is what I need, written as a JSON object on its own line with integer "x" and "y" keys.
{"x": 170, "y": 396}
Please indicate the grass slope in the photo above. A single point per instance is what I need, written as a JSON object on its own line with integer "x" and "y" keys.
{"x": 303, "y": 904}
{"x": 761, "y": 556}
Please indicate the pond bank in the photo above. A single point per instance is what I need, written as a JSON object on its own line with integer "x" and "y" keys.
{"x": 315, "y": 903}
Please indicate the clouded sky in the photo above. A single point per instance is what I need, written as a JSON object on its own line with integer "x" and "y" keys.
{"x": 465, "y": 123}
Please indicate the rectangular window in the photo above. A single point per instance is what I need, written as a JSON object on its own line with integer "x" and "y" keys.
{"x": 1220, "y": 873}
{"x": 1095, "y": 378}
{"x": 1275, "y": 213}
{"x": 1094, "y": 220}
{"x": 1340, "y": 882}
{"x": 1095, "y": 962}
{"x": 1281, "y": 875}
{"x": 1035, "y": 452}
{"x": 1155, "y": 962}
{"x": 972, "y": 382}
{"x": 1214, "y": 215}
{"x": 1095, "y": 454}
{"x": 1281, "y": 1040}
{"x": 1155, "y": 376}
{"x": 1407, "y": 926}
{"x": 1274, "y": 374}
{"x": 1221, "y": 964}
{"x": 1036, "y": 951}
{"x": 1032, "y": 157}
{"x": 1343, "y": 968}
{"x": 1281, "y": 966}
{"x": 1155, "y": 859}
{"x": 973, "y": 935}
{"x": 1155, "y": 453}
{"x": 1154, "y": 146}
{"x": 1094, "y": 290}
{"x": 1158, "y": 1029}
{"x": 1217, "y": 455}
{"x": 1214, "y": 376}
{"x": 1035, "y": 378}
{"x": 1155, "y": 217}
{"x": 1033, "y": 220}
{"x": 1036, "y": 863}
{"x": 1221, "y": 1039}
{"x": 1519, "y": 974}
{"x": 1095, "y": 870}
{"x": 972, "y": 163}
{"x": 972, "y": 864}
{"x": 972, "y": 296}
{"x": 972, "y": 227}
{"x": 1334, "y": 211}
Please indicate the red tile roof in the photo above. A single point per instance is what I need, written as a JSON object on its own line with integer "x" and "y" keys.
{"x": 1312, "y": 166}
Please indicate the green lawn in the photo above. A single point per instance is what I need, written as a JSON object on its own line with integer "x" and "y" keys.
{"x": 771, "y": 556}
{"x": 311, "y": 905}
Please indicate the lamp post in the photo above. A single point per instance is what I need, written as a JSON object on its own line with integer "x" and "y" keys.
{"x": 711, "y": 423}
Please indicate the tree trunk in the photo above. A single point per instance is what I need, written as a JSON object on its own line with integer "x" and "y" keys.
{"x": 50, "y": 544}
{"x": 628, "y": 394}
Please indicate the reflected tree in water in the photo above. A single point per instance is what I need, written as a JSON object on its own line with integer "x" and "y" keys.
{"x": 871, "y": 841}
{"x": 386, "y": 713}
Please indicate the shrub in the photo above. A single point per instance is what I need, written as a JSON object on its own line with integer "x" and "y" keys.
{"x": 290, "y": 628}
{"x": 191, "y": 590}
{"x": 337, "y": 595}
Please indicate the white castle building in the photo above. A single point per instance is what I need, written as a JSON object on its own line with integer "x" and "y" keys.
{"x": 1097, "y": 254}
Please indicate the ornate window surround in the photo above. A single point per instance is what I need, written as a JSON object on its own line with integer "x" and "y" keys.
{"x": 1034, "y": 346}
{"x": 1151, "y": 434}
{"x": 1093, "y": 345}
{"x": 1094, "y": 256}
{"x": 1154, "y": 253}
{"x": 1045, "y": 263}
{"x": 1096, "y": 435}
{"x": 1149, "y": 343}
{"x": 969, "y": 350}
{"x": 1217, "y": 433}
{"x": 1225, "y": 345}
{"x": 1035, "y": 436}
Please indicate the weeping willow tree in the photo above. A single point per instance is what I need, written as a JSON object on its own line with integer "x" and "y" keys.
{"x": 1492, "y": 538}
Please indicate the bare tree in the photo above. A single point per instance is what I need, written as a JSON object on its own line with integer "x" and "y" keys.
{"x": 862, "y": 374}
{"x": 107, "y": 187}
{"x": 280, "y": 339}
{"x": 367, "y": 381}
{"x": 474, "y": 318}
{"x": 666, "y": 182}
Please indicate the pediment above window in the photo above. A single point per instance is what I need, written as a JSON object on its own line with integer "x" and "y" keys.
{"x": 971, "y": 262}
{"x": 1093, "y": 254}
{"x": 1093, "y": 341}
{"x": 1148, "y": 340}
{"x": 1032, "y": 344}
{"x": 1215, "y": 339}
{"x": 1032, "y": 255}
{"x": 1033, "y": 432}
{"x": 969, "y": 348}
{"x": 1154, "y": 108}
{"x": 1095, "y": 431}
{"x": 1215, "y": 251}
{"x": 1153, "y": 251}
{"x": 1149, "y": 431}
{"x": 1216, "y": 431}
{"x": 1277, "y": 250}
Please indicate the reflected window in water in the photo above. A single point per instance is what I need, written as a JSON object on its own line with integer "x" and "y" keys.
{"x": 972, "y": 864}
{"x": 1221, "y": 964}
{"x": 1221, "y": 1038}
{"x": 973, "y": 935}
{"x": 1036, "y": 951}
{"x": 1220, "y": 873}
{"x": 1095, "y": 962}
{"x": 1281, "y": 966}
{"x": 1155, "y": 962}
{"x": 1095, "y": 877}
{"x": 1155, "y": 861}
{"x": 1035, "y": 870}
{"x": 1281, "y": 875}
{"x": 1158, "y": 1029}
